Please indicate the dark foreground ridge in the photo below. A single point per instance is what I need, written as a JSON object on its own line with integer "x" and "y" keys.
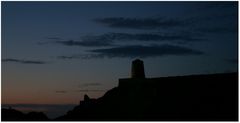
{"x": 187, "y": 98}
{"x": 184, "y": 98}
{"x": 14, "y": 115}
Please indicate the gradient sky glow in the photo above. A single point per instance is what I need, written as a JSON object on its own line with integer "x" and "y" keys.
{"x": 55, "y": 52}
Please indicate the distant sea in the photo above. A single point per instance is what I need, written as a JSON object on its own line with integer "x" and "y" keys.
{"x": 51, "y": 110}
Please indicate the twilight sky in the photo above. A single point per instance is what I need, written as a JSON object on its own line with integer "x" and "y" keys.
{"x": 55, "y": 52}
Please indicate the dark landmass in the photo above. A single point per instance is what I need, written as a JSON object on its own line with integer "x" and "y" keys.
{"x": 52, "y": 111}
{"x": 185, "y": 98}
{"x": 14, "y": 115}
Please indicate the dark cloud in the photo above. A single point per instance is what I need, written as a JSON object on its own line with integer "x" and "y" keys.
{"x": 61, "y": 91}
{"x": 90, "y": 84}
{"x": 133, "y": 51}
{"x": 108, "y": 39}
{"x": 67, "y": 57}
{"x": 140, "y": 23}
{"x": 23, "y": 61}
{"x": 80, "y": 56}
{"x": 147, "y": 37}
{"x": 91, "y": 90}
{"x": 87, "y": 42}
{"x": 145, "y": 51}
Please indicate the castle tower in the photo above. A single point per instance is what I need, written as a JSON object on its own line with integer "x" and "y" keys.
{"x": 137, "y": 69}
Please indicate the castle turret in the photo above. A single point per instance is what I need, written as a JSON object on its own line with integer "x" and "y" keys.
{"x": 137, "y": 69}
{"x": 86, "y": 98}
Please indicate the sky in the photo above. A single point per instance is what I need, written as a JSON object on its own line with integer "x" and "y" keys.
{"x": 55, "y": 52}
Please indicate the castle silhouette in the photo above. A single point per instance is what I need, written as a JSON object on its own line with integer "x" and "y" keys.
{"x": 138, "y": 69}
{"x": 212, "y": 97}
{"x": 137, "y": 74}
{"x": 184, "y": 98}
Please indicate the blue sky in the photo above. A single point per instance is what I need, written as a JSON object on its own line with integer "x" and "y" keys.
{"x": 55, "y": 52}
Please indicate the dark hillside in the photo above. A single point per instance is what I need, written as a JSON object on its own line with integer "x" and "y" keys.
{"x": 185, "y": 98}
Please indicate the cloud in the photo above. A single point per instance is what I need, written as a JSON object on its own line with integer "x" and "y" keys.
{"x": 110, "y": 39}
{"x": 61, "y": 91}
{"x": 67, "y": 57}
{"x": 23, "y": 61}
{"x": 145, "y": 51}
{"x": 146, "y": 37}
{"x": 90, "y": 84}
{"x": 80, "y": 56}
{"x": 85, "y": 43}
{"x": 133, "y": 51}
{"x": 90, "y": 90}
{"x": 139, "y": 23}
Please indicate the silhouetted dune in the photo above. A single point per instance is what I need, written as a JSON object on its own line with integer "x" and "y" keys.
{"x": 184, "y": 98}
{"x": 14, "y": 115}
